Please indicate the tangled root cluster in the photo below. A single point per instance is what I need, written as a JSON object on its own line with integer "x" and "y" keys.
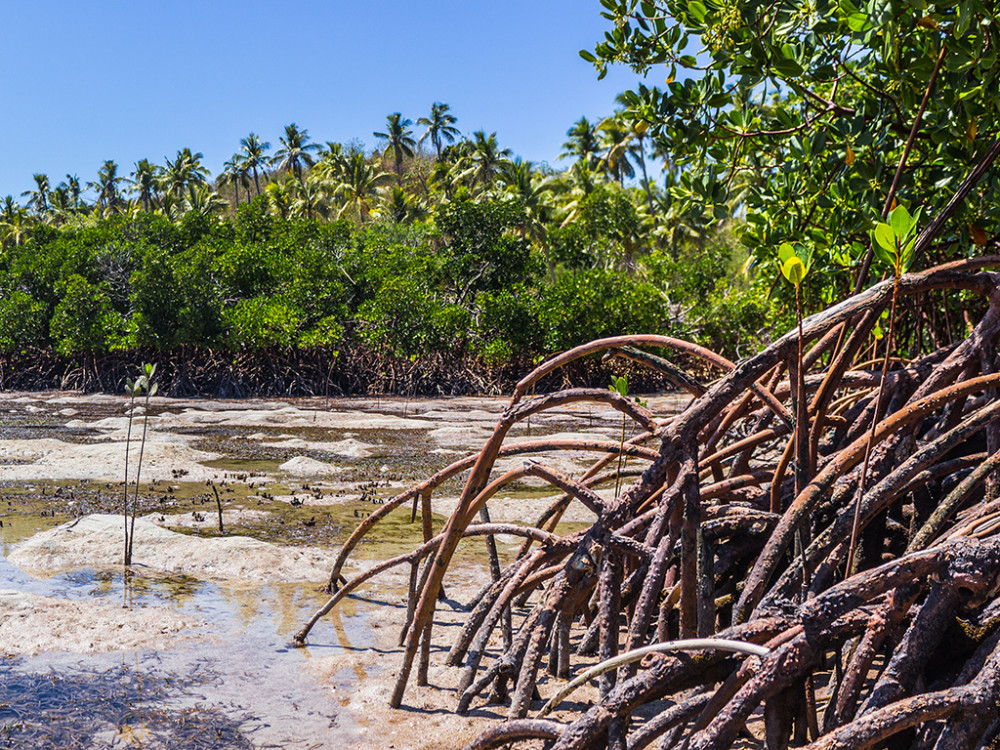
{"x": 822, "y": 534}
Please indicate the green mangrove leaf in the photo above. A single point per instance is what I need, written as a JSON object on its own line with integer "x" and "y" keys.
{"x": 619, "y": 385}
{"x": 885, "y": 238}
{"x": 697, "y": 10}
{"x": 906, "y": 259}
{"x": 901, "y": 223}
{"x": 785, "y": 251}
{"x": 794, "y": 270}
{"x": 806, "y": 256}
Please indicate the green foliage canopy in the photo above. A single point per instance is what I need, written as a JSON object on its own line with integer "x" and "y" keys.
{"x": 800, "y": 112}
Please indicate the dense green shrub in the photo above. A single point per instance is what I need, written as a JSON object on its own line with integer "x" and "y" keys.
{"x": 597, "y": 303}
{"x": 481, "y": 251}
{"x": 200, "y": 297}
{"x": 155, "y": 301}
{"x": 405, "y": 319}
{"x": 84, "y": 320}
{"x": 22, "y": 321}
{"x": 506, "y": 323}
{"x": 571, "y": 245}
{"x": 714, "y": 303}
{"x": 325, "y": 332}
{"x": 466, "y": 281}
{"x": 261, "y": 323}
{"x": 611, "y": 224}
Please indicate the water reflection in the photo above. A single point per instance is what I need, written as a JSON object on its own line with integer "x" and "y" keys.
{"x": 241, "y": 686}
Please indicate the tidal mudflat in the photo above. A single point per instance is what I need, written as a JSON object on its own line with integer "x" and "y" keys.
{"x": 191, "y": 644}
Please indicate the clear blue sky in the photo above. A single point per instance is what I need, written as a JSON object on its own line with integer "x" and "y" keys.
{"x": 89, "y": 81}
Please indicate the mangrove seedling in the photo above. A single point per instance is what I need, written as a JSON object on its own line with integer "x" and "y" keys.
{"x": 619, "y": 385}
{"x": 132, "y": 389}
{"x": 143, "y": 383}
{"x": 894, "y": 245}
{"x": 796, "y": 262}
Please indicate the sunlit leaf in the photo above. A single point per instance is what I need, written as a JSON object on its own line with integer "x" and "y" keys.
{"x": 885, "y": 237}
{"x": 697, "y": 10}
{"x": 900, "y": 222}
{"x": 858, "y": 21}
{"x": 794, "y": 270}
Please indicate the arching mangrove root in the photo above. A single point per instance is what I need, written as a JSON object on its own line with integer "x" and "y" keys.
{"x": 738, "y": 527}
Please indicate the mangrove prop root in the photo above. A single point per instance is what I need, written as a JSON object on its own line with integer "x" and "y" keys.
{"x": 735, "y": 524}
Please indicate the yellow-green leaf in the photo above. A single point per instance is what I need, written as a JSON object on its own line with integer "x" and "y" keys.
{"x": 794, "y": 270}
{"x": 885, "y": 237}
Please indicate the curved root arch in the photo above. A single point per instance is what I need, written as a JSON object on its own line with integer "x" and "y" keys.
{"x": 738, "y": 528}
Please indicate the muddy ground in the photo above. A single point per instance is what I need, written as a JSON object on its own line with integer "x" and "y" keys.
{"x": 290, "y": 478}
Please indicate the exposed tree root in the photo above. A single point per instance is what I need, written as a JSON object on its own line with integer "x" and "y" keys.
{"x": 351, "y": 370}
{"x": 739, "y": 527}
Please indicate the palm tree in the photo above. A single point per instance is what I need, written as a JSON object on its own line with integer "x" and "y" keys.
{"x": 574, "y": 186}
{"x": 583, "y": 178}
{"x": 398, "y": 139}
{"x": 253, "y": 155}
{"x": 534, "y": 195}
{"x": 186, "y": 169}
{"x": 132, "y": 210}
{"x": 359, "y": 185}
{"x": 106, "y": 187}
{"x": 440, "y": 127}
{"x": 583, "y": 144}
{"x": 235, "y": 173}
{"x": 295, "y": 151}
{"x": 399, "y": 206}
{"x": 39, "y": 198}
{"x": 202, "y": 200}
{"x": 310, "y": 199}
{"x": 442, "y": 178}
{"x": 484, "y": 160}
{"x": 617, "y": 139}
{"x": 279, "y": 196}
{"x": 328, "y": 171}
{"x": 332, "y": 152}
{"x": 60, "y": 204}
{"x": 173, "y": 206}
{"x": 73, "y": 185}
{"x": 14, "y": 223}
{"x": 8, "y": 208}
{"x": 145, "y": 178}
{"x": 642, "y": 110}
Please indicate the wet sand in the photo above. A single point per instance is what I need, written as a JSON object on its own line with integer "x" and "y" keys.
{"x": 293, "y": 477}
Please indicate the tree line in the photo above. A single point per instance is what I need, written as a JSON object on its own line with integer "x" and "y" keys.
{"x": 436, "y": 242}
